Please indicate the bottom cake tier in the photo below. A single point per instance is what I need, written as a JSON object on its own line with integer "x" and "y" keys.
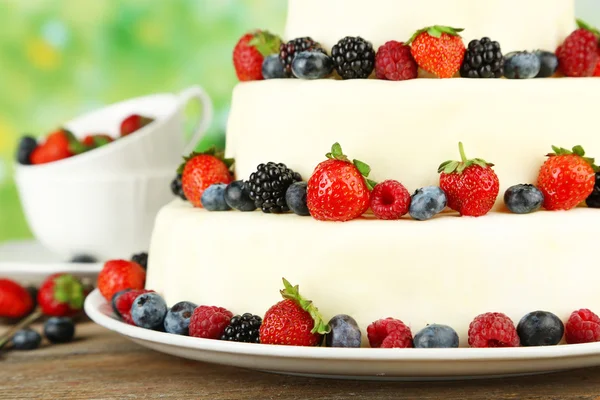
{"x": 447, "y": 270}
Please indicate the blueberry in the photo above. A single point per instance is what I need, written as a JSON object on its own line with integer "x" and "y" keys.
{"x": 272, "y": 68}
{"x": 148, "y": 311}
{"x": 548, "y": 63}
{"x": 312, "y": 65}
{"x": 344, "y": 332}
{"x": 84, "y": 259}
{"x": 26, "y": 339}
{"x": 540, "y": 328}
{"x": 213, "y": 198}
{"x": 237, "y": 197}
{"x": 114, "y": 302}
{"x": 295, "y": 197}
{"x": 26, "y": 146}
{"x": 178, "y": 317}
{"x": 523, "y": 199}
{"x": 593, "y": 201}
{"x": 59, "y": 329}
{"x": 436, "y": 337}
{"x": 427, "y": 202}
{"x": 521, "y": 65}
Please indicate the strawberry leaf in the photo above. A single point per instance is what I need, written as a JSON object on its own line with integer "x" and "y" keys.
{"x": 212, "y": 151}
{"x": 266, "y": 43}
{"x": 584, "y": 25}
{"x": 435, "y": 31}
{"x": 449, "y": 167}
{"x": 69, "y": 290}
{"x": 363, "y": 168}
{"x": 292, "y": 293}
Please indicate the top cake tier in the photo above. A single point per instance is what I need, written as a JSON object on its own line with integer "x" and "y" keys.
{"x": 516, "y": 24}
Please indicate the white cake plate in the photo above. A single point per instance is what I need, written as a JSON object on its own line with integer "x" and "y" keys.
{"x": 371, "y": 364}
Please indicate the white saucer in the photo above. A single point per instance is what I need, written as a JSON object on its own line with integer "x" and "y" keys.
{"x": 372, "y": 364}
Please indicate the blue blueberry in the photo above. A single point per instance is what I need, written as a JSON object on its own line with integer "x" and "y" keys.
{"x": 436, "y": 337}
{"x": 272, "y": 67}
{"x": 427, "y": 203}
{"x": 312, "y": 65}
{"x": 237, "y": 197}
{"x": 59, "y": 329}
{"x": 344, "y": 332}
{"x": 521, "y": 65}
{"x": 26, "y": 146}
{"x": 523, "y": 199}
{"x": 593, "y": 201}
{"x": 540, "y": 328}
{"x": 178, "y": 317}
{"x": 213, "y": 198}
{"x": 148, "y": 311}
{"x": 26, "y": 339}
{"x": 295, "y": 197}
{"x": 548, "y": 63}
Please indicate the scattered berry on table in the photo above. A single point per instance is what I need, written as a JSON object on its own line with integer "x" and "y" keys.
{"x": 295, "y": 198}
{"x": 15, "y": 301}
{"x": 578, "y": 54}
{"x": 149, "y": 310}
{"x": 177, "y": 187}
{"x": 583, "y": 326}
{"x": 523, "y": 199}
{"x": 427, "y": 202}
{"x": 593, "y": 200}
{"x": 344, "y": 332}
{"x": 56, "y": 147}
{"x": 272, "y": 68}
{"x": 59, "y": 329}
{"x": 471, "y": 186}
{"x": 177, "y": 320}
{"x": 84, "y": 259}
{"x": 141, "y": 259}
{"x": 436, "y": 336}
{"x": 483, "y": 59}
{"x": 243, "y": 328}
{"x": 438, "y": 50}
{"x": 27, "y": 145}
{"x": 353, "y": 58}
{"x": 213, "y": 198}
{"x": 390, "y": 200}
{"x": 209, "y": 322}
{"x": 339, "y": 188}
{"x": 250, "y": 52}
{"x": 312, "y": 65}
{"x": 295, "y": 321}
{"x": 238, "y": 197}
{"x": 287, "y": 51}
{"x": 389, "y": 333}
{"x": 134, "y": 123}
{"x": 26, "y": 339}
{"x": 493, "y": 330}
{"x": 61, "y": 295}
{"x": 540, "y": 328}
{"x": 268, "y": 185}
{"x": 122, "y": 302}
{"x": 395, "y": 62}
{"x": 567, "y": 178}
{"x": 548, "y": 63}
{"x": 117, "y": 275}
{"x": 521, "y": 65}
{"x": 200, "y": 170}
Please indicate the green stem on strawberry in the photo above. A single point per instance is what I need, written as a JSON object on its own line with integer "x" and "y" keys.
{"x": 578, "y": 151}
{"x": 435, "y": 31}
{"x": 584, "y": 25}
{"x": 24, "y": 323}
{"x": 458, "y": 167}
{"x": 212, "y": 151}
{"x": 364, "y": 169}
{"x": 292, "y": 293}
{"x": 266, "y": 43}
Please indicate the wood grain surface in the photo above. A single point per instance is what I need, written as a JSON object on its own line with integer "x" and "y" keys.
{"x": 102, "y": 365}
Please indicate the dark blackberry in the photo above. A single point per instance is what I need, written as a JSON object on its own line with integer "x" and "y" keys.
{"x": 483, "y": 59}
{"x": 27, "y": 145}
{"x": 267, "y": 187}
{"x": 594, "y": 200}
{"x": 354, "y": 58}
{"x": 141, "y": 258}
{"x": 243, "y": 328}
{"x": 177, "y": 187}
{"x": 287, "y": 52}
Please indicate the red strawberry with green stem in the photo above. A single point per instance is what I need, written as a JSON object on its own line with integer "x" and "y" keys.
{"x": 96, "y": 140}
{"x": 133, "y": 123}
{"x": 118, "y": 275}
{"x": 58, "y": 145}
{"x": 471, "y": 186}
{"x": 250, "y": 52}
{"x": 438, "y": 49}
{"x": 61, "y": 295}
{"x": 15, "y": 300}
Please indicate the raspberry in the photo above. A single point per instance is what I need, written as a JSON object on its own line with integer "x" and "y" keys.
{"x": 209, "y": 322}
{"x": 493, "y": 330}
{"x": 583, "y": 326}
{"x": 395, "y": 62}
{"x": 389, "y": 333}
{"x": 578, "y": 55}
{"x": 390, "y": 200}
{"x": 122, "y": 303}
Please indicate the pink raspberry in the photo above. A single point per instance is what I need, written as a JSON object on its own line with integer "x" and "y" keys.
{"x": 493, "y": 330}
{"x": 583, "y": 326}
{"x": 209, "y": 322}
{"x": 389, "y": 333}
{"x": 390, "y": 200}
{"x": 395, "y": 62}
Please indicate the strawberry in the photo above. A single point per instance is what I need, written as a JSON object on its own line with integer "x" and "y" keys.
{"x": 200, "y": 170}
{"x": 61, "y": 295}
{"x": 132, "y": 123}
{"x": 567, "y": 178}
{"x": 578, "y": 54}
{"x": 117, "y": 275}
{"x": 471, "y": 186}
{"x": 15, "y": 300}
{"x": 338, "y": 189}
{"x": 438, "y": 50}
{"x": 294, "y": 321}
{"x": 97, "y": 140}
{"x": 250, "y": 52}
{"x": 57, "y": 146}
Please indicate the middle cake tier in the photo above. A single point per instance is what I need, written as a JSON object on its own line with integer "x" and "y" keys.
{"x": 405, "y": 130}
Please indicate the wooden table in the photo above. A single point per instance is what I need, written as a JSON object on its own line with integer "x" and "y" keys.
{"x": 102, "y": 365}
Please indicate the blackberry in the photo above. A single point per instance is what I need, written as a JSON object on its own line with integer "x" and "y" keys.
{"x": 483, "y": 59}
{"x": 268, "y": 185}
{"x": 27, "y": 145}
{"x": 594, "y": 200}
{"x": 177, "y": 187}
{"x": 353, "y": 57}
{"x": 141, "y": 258}
{"x": 287, "y": 52}
{"x": 243, "y": 328}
